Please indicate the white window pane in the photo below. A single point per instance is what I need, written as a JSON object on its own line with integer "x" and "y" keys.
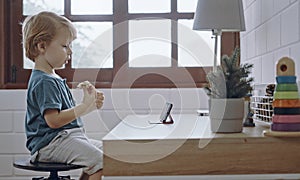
{"x": 27, "y": 63}
{"x": 149, "y": 6}
{"x": 33, "y": 6}
{"x": 93, "y": 47}
{"x": 149, "y": 53}
{"x": 150, "y": 43}
{"x": 195, "y": 48}
{"x": 91, "y": 7}
{"x": 186, "y": 5}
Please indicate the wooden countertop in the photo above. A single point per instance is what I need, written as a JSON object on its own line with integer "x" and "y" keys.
{"x": 188, "y": 147}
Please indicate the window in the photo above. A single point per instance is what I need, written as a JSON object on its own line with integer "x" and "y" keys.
{"x": 150, "y": 43}
{"x": 121, "y": 43}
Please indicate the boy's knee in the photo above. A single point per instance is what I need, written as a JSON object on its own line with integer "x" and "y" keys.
{"x": 96, "y": 162}
{"x": 98, "y": 155}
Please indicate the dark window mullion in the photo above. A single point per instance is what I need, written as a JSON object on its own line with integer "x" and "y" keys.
{"x": 67, "y": 8}
{"x": 91, "y": 18}
{"x": 174, "y": 33}
{"x": 120, "y": 35}
{"x": 173, "y": 6}
{"x": 174, "y": 39}
{"x": 150, "y": 15}
{"x": 185, "y": 15}
{"x": 67, "y": 13}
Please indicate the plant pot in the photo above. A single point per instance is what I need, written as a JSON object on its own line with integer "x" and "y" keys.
{"x": 226, "y": 115}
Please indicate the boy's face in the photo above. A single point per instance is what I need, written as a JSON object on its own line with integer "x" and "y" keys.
{"x": 58, "y": 51}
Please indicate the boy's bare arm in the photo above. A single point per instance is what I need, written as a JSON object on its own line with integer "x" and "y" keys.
{"x": 56, "y": 119}
{"x": 92, "y": 100}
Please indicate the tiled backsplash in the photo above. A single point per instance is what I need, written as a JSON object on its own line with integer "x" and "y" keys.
{"x": 272, "y": 31}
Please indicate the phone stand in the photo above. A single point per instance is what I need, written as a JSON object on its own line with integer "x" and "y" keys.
{"x": 168, "y": 120}
{"x": 165, "y": 116}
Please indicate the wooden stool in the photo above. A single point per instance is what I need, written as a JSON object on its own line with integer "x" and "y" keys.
{"x": 53, "y": 168}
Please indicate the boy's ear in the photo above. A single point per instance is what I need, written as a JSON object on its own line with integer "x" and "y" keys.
{"x": 41, "y": 46}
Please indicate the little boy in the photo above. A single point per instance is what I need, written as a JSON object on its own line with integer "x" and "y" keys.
{"x": 53, "y": 125}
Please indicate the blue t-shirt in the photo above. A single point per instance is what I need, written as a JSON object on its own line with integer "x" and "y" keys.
{"x": 45, "y": 92}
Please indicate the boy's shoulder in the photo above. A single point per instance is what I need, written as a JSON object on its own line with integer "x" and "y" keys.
{"x": 38, "y": 78}
{"x": 42, "y": 75}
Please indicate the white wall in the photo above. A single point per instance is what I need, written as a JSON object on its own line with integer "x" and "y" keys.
{"x": 118, "y": 104}
{"x": 272, "y": 32}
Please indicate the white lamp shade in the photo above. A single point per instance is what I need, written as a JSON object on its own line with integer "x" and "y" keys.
{"x": 224, "y": 15}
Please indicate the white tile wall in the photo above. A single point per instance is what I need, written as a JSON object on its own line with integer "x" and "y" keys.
{"x": 268, "y": 68}
{"x": 290, "y": 24}
{"x": 279, "y": 5}
{"x": 272, "y": 32}
{"x": 12, "y": 100}
{"x": 295, "y": 54}
{"x": 257, "y": 13}
{"x": 257, "y": 70}
{"x": 6, "y": 165}
{"x": 250, "y": 45}
{"x": 6, "y": 126}
{"x": 261, "y": 40}
{"x": 282, "y": 52}
{"x": 267, "y": 9}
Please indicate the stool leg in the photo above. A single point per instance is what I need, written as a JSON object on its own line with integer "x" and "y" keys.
{"x": 65, "y": 177}
{"x": 53, "y": 175}
{"x": 38, "y": 178}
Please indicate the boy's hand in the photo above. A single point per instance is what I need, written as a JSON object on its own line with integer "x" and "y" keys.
{"x": 89, "y": 95}
{"x": 92, "y": 98}
{"x": 86, "y": 84}
{"x": 99, "y": 99}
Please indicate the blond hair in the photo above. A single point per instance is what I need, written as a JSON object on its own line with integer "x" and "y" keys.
{"x": 43, "y": 27}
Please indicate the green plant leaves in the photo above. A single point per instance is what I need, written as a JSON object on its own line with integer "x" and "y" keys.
{"x": 230, "y": 80}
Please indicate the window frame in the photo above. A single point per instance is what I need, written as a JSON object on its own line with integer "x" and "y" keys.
{"x": 13, "y": 76}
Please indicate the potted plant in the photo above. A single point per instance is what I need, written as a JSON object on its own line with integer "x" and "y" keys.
{"x": 228, "y": 85}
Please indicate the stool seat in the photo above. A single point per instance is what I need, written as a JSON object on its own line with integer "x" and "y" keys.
{"x": 53, "y": 168}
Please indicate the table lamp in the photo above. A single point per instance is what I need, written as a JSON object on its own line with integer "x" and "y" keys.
{"x": 219, "y": 16}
